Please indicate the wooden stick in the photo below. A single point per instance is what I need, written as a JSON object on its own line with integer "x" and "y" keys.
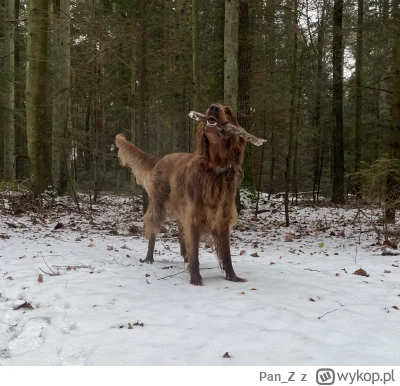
{"x": 237, "y": 130}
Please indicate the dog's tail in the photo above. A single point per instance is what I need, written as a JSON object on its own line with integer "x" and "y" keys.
{"x": 140, "y": 162}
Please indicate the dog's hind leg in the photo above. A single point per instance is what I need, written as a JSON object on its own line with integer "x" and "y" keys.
{"x": 182, "y": 243}
{"x": 150, "y": 250}
{"x": 153, "y": 220}
{"x": 222, "y": 244}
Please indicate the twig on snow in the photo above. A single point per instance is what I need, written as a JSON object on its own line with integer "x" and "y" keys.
{"x": 175, "y": 274}
{"x": 326, "y": 313}
{"x": 47, "y": 264}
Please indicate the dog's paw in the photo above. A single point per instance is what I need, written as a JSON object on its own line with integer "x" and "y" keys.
{"x": 197, "y": 281}
{"x": 235, "y": 278}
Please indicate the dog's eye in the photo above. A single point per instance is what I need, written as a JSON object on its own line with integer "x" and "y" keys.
{"x": 229, "y": 113}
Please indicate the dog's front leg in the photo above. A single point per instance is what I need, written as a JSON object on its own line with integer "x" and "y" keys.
{"x": 222, "y": 242}
{"x": 193, "y": 240}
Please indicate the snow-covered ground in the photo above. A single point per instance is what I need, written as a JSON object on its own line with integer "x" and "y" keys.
{"x": 302, "y": 304}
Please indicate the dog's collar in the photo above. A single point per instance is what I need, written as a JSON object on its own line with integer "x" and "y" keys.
{"x": 220, "y": 171}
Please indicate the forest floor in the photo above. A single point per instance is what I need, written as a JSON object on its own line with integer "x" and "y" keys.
{"x": 73, "y": 290}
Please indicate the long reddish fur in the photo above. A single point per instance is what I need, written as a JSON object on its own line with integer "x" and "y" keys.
{"x": 189, "y": 188}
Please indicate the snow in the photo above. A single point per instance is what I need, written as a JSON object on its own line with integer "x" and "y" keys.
{"x": 299, "y": 306}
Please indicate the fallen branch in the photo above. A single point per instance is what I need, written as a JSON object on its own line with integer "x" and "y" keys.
{"x": 175, "y": 274}
{"x": 313, "y": 270}
{"x": 47, "y": 264}
{"x": 237, "y": 130}
{"x": 326, "y": 313}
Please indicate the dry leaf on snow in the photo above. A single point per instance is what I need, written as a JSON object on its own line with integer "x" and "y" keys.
{"x": 361, "y": 272}
{"x": 24, "y": 305}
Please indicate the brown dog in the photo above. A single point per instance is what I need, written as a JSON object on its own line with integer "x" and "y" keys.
{"x": 198, "y": 189}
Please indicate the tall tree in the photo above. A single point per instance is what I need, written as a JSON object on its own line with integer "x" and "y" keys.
{"x": 195, "y": 54}
{"x": 231, "y": 44}
{"x": 292, "y": 112}
{"x": 61, "y": 103}
{"x": 38, "y": 128}
{"x": 337, "y": 104}
{"x": 182, "y": 77}
{"x": 244, "y": 86}
{"x": 393, "y": 185}
{"x": 359, "y": 85}
{"x": 271, "y": 82}
{"x": 141, "y": 137}
{"x": 318, "y": 129}
{"x": 9, "y": 94}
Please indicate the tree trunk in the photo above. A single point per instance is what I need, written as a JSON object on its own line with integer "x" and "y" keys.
{"x": 271, "y": 56}
{"x": 9, "y": 94}
{"x": 38, "y": 128}
{"x": 133, "y": 99}
{"x": 141, "y": 134}
{"x": 337, "y": 104}
{"x": 393, "y": 183}
{"x": 244, "y": 79}
{"x": 231, "y": 45}
{"x": 317, "y": 112}
{"x": 61, "y": 103}
{"x": 292, "y": 116}
{"x": 358, "y": 106}
{"x": 180, "y": 74}
{"x": 217, "y": 90}
{"x": 195, "y": 55}
{"x": 99, "y": 168}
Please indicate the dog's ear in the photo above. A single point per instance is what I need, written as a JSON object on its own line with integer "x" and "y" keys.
{"x": 202, "y": 142}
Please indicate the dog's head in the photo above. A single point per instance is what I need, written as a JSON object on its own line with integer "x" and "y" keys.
{"x": 217, "y": 145}
{"x": 217, "y": 117}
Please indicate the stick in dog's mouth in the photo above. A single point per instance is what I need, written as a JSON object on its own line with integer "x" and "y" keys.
{"x": 237, "y": 130}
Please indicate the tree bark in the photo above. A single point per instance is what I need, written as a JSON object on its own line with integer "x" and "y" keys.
{"x": 9, "y": 93}
{"x": 195, "y": 55}
{"x": 359, "y": 93}
{"x": 181, "y": 78}
{"x": 231, "y": 45}
{"x": 318, "y": 129}
{"x": 271, "y": 56}
{"x": 141, "y": 133}
{"x": 337, "y": 105}
{"x": 244, "y": 82}
{"x": 38, "y": 128}
{"x": 61, "y": 102}
{"x": 217, "y": 89}
{"x": 292, "y": 116}
{"x": 393, "y": 182}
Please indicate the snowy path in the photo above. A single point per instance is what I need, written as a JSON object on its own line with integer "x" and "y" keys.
{"x": 299, "y": 306}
